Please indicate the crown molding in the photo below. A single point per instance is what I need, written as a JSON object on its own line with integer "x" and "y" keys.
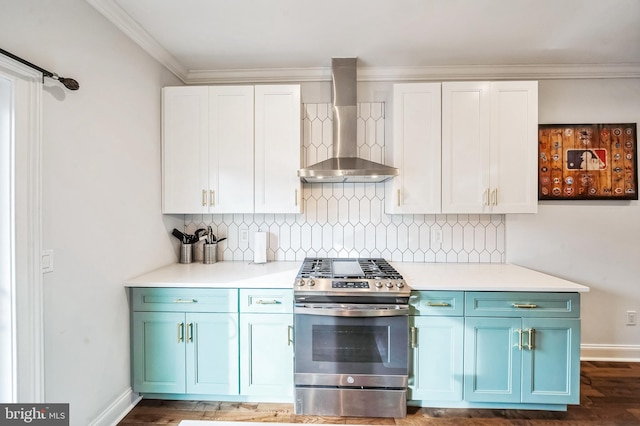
{"x": 427, "y": 73}
{"x": 114, "y": 13}
{"x": 118, "y": 17}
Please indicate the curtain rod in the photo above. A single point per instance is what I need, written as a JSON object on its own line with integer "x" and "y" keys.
{"x": 69, "y": 83}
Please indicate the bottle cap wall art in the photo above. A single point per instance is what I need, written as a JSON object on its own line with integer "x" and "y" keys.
{"x": 587, "y": 162}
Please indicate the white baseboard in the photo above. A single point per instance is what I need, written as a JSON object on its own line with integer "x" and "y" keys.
{"x": 620, "y": 353}
{"x": 116, "y": 411}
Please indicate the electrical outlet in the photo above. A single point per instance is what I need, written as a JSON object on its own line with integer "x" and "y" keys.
{"x": 632, "y": 317}
{"x": 436, "y": 236}
{"x": 244, "y": 235}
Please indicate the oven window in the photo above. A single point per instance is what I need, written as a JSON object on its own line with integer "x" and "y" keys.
{"x": 343, "y": 343}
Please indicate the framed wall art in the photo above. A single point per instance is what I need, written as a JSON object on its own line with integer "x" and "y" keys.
{"x": 587, "y": 162}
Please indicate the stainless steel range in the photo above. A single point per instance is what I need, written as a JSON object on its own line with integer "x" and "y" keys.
{"x": 351, "y": 338}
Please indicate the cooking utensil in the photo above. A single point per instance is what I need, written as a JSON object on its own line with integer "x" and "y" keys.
{"x": 179, "y": 235}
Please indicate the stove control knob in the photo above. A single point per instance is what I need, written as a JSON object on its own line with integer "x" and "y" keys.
{"x": 378, "y": 284}
{"x": 389, "y": 284}
{"x": 311, "y": 283}
{"x": 400, "y": 284}
{"x": 300, "y": 282}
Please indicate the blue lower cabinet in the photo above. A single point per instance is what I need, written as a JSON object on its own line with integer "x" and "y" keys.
{"x": 436, "y": 358}
{"x": 158, "y": 352}
{"x": 522, "y": 360}
{"x": 212, "y": 353}
{"x": 492, "y": 362}
{"x": 177, "y": 352}
{"x": 550, "y": 360}
{"x": 266, "y": 354}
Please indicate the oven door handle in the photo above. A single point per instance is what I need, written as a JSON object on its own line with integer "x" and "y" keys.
{"x": 380, "y": 311}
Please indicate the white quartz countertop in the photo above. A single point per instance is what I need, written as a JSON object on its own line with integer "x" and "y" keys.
{"x": 481, "y": 277}
{"x": 221, "y": 275}
{"x": 419, "y": 276}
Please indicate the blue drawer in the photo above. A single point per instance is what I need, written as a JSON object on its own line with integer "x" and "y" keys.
{"x": 437, "y": 303}
{"x": 256, "y": 300}
{"x": 184, "y": 299}
{"x": 522, "y": 304}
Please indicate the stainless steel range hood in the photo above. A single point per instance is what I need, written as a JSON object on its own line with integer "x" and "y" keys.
{"x": 345, "y": 166}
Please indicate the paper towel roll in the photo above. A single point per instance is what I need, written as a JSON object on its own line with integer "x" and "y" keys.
{"x": 260, "y": 247}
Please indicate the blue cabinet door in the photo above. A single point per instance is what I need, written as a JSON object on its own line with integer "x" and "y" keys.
{"x": 158, "y": 352}
{"x": 266, "y": 354}
{"x": 212, "y": 353}
{"x": 492, "y": 363}
{"x": 551, "y": 361}
{"x": 437, "y": 354}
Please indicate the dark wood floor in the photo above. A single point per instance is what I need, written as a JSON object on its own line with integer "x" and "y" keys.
{"x": 609, "y": 396}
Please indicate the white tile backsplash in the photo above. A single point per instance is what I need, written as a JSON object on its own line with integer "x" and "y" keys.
{"x": 348, "y": 220}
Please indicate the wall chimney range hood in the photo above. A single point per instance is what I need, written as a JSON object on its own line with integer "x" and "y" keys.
{"x": 345, "y": 166}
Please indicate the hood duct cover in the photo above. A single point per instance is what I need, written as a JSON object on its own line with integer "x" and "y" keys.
{"x": 345, "y": 166}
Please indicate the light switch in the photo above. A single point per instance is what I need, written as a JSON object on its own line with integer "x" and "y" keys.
{"x": 47, "y": 261}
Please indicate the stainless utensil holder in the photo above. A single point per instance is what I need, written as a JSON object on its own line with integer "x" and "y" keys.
{"x": 198, "y": 251}
{"x": 186, "y": 253}
{"x": 210, "y": 253}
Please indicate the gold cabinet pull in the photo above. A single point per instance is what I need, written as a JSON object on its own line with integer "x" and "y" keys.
{"x": 295, "y": 199}
{"x": 485, "y": 197}
{"x": 495, "y": 196}
{"x": 181, "y": 332}
{"x": 204, "y": 198}
{"x": 438, "y": 304}
{"x": 289, "y": 330}
{"x": 267, "y": 302}
{"x": 519, "y": 339}
{"x": 212, "y": 198}
{"x": 190, "y": 332}
{"x": 531, "y": 333}
{"x": 414, "y": 342}
{"x": 525, "y": 305}
{"x": 398, "y": 198}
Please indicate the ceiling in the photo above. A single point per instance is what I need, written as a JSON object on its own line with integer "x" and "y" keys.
{"x": 209, "y": 41}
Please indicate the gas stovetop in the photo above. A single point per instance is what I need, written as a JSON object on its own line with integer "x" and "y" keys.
{"x": 339, "y": 276}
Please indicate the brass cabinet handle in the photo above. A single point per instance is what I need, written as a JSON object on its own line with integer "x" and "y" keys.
{"x": 289, "y": 330}
{"x": 185, "y": 301}
{"x": 181, "y": 332}
{"x": 531, "y": 333}
{"x": 519, "y": 338}
{"x": 495, "y": 196}
{"x": 212, "y": 198}
{"x": 485, "y": 197}
{"x": 190, "y": 332}
{"x": 267, "y": 302}
{"x": 525, "y": 305}
{"x": 398, "y": 198}
{"x": 204, "y": 198}
{"x": 295, "y": 199}
{"x": 438, "y": 305}
{"x": 414, "y": 342}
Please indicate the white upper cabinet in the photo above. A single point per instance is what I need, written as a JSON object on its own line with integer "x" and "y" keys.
{"x": 489, "y": 147}
{"x": 277, "y": 149}
{"x": 211, "y": 137}
{"x": 465, "y": 147}
{"x": 514, "y": 146}
{"x": 185, "y": 150}
{"x": 416, "y": 149}
{"x": 231, "y": 149}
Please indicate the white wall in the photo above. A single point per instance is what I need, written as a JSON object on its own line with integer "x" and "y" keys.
{"x": 101, "y": 201}
{"x": 596, "y": 243}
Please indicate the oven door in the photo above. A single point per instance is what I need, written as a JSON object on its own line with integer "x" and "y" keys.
{"x": 351, "y": 346}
